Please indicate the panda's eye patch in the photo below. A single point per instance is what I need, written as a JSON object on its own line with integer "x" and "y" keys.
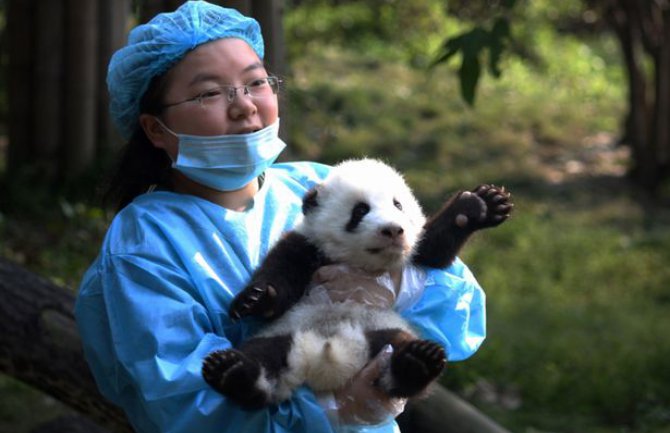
{"x": 397, "y": 204}
{"x": 359, "y": 210}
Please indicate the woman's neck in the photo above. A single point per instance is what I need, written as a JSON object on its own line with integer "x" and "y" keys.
{"x": 238, "y": 200}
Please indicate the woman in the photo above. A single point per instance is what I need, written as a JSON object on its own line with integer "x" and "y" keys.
{"x": 199, "y": 205}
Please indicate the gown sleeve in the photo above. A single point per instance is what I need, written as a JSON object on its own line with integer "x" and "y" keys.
{"x": 145, "y": 336}
{"x": 451, "y": 310}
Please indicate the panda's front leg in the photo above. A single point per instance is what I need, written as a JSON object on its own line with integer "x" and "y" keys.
{"x": 280, "y": 280}
{"x": 248, "y": 375}
{"x": 446, "y": 232}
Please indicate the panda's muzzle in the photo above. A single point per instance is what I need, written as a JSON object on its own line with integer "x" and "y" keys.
{"x": 391, "y": 237}
{"x": 392, "y": 231}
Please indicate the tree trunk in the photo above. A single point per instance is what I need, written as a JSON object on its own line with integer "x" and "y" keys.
{"x": 269, "y": 15}
{"x": 81, "y": 42}
{"x": 37, "y": 311}
{"x": 20, "y": 32}
{"x": 661, "y": 126}
{"x": 643, "y": 30}
{"x": 112, "y": 16}
{"x": 40, "y": 345}
{"x": 48, "y": 99}
{"x": 150, "y": 8}
{"x": 444, "y": 412}
{"x": 243, "y": 6}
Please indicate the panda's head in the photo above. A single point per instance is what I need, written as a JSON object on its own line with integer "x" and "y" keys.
{"x": 363, "y": 214}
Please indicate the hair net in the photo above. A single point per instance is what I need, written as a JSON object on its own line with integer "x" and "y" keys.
{"x": 154, "y": 47}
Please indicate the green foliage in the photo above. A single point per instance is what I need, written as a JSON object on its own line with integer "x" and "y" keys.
{"x": 471, "y": 45}
{"x": 577, "y": 303}
{"x": 581, "y": 330}
{"x": 577, "y": 281}
{"x": 393, "y": 29}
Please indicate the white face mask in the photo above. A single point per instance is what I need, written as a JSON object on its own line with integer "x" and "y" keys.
{"x": 227, "y": 162}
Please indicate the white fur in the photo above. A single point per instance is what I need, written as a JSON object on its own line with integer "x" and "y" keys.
{"x": 378, "y": 185}
{"x": 264, "y": 384}
{"x": 329, "y": 344}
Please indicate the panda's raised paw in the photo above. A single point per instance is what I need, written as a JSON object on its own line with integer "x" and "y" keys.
{"x": 254, "y": 300}
{"x": 470, "y": 210}
{"x": 498, "y": 202}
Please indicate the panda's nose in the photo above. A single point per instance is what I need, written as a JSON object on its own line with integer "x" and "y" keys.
{"x": 392, "y": 231}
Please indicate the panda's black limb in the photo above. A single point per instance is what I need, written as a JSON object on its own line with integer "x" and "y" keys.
{"x": 415, "y": 363}
{"x": 414, "y": 366}
{"x": 446, "y": 232}
{"x": 280, "y": 280}
{"x": 245, "y": 375}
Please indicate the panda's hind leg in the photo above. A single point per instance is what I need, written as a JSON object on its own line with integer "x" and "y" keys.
{"x": 248, "y": 375}
{"x": 414, "y": 366}
{"x": 415, "y": 363}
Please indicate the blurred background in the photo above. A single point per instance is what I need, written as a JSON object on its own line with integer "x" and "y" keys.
{"x": 565, "y": 103}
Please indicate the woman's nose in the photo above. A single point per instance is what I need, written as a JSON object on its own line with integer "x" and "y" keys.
{"x": 242, "y": 106}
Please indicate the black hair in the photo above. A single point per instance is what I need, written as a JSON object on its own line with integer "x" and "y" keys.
{"x": 140, "y": 164}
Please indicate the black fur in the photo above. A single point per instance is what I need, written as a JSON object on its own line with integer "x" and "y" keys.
{"x": 310, "y": 201}
{"x": 281, "y": 280}
{"x": 232, "y": 371}
{"x": 486, "y": 206}
{"x": 286, "y": 272}
{"x": 414, "y": 363}
{"x": 358, "y": 212}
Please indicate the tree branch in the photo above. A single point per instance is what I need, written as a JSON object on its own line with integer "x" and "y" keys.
{"x": 40, "y": 345}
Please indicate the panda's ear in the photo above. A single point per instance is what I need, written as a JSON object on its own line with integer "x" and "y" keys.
{"x": 309, "y": 201}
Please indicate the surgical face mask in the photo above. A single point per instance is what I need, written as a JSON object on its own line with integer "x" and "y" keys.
{"x": 227, "y": 162}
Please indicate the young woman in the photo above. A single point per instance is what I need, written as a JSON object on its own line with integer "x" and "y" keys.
{"x": 199, "y": 204}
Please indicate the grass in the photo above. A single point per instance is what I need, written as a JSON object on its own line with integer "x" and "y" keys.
{"x": 577, "y": 281}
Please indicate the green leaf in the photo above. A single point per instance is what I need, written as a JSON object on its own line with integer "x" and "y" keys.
{"x": 450, "y": 48}
{"x": 497, "y": 40}
{"x": 469, "y": 75}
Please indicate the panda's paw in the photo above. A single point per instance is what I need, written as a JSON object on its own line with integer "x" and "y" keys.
{"x": 235, "y": 375}
{"x": 415, "y": 365}
{"x": 498, "y": 205}
{"x": 469, "y": 210}
{"x": 257, "y": 299}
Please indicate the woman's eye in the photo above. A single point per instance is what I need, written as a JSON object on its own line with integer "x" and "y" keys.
{"x": 209, "y": 96}
{"x": 258, "y": 83}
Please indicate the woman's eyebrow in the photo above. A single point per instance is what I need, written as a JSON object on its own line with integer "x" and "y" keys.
{"x": 251, "y": 67}
{"x": 204, "y": 76}
{"x": 210, "y": 76}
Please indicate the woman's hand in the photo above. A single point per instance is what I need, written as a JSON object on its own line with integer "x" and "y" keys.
{"x": 362, "y": 402}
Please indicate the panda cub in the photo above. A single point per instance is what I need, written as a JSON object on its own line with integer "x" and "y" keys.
{"x": 365, "y": 216}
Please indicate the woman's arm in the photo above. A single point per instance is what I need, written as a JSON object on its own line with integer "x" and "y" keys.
{"x": 145, "y": 337}
{"x": 449, "y": 307}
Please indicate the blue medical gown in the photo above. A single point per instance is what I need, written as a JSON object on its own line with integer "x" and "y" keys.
{"x": 154, "y": 304}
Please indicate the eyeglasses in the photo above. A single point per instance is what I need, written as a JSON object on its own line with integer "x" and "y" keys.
{"x": 258, "y": 88}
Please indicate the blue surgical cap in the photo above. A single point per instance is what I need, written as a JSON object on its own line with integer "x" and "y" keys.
{"x": 154, "y": 47}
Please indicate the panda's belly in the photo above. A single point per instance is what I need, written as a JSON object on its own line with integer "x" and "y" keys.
{"x": 329, "y": 344}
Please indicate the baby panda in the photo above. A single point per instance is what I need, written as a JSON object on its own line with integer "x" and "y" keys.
{"x": 363, "y": 215}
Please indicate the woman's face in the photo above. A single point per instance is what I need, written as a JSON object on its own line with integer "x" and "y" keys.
{"x": 222, "y": 62}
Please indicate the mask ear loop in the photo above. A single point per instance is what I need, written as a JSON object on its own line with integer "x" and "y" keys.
{"x": 160, "y": 122}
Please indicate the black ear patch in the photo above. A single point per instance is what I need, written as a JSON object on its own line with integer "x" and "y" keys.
{"x": 309, "y": 201}
{"x": 359, "y": 211}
